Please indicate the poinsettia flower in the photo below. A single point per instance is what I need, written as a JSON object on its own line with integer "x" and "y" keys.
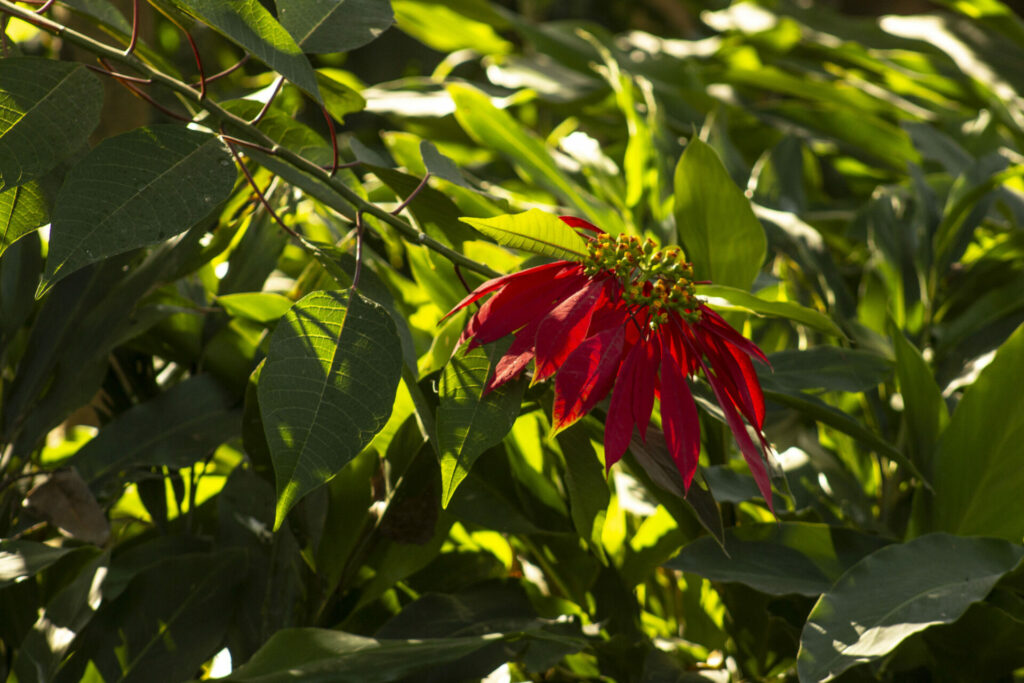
{"x": 624, "y": 321}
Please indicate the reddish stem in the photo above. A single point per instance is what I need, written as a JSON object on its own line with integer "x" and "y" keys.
{"x": 245, "y": 143}
{"x": 118, "y": 75}
{"x": 334, "y": 140}
{"x": 270, "y": 100}
{"x": 412, "y": 195}
{"x": 259, "y": 193}
{"x": 128, "y": 84}
{"x": 195, "y": 53}
{"x": 135, "y": 28}
{"x": 46, "y": 5}
{"x": 225, "y": 72}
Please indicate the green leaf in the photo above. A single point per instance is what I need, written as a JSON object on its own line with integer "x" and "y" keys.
{"x": 176, "y": 428}
{"x": 715, "y": 221}
{"x": 22, "y": 209}
{"x": 322, "y": 654}
{"x": 335, "y": 25}
{"x": 261, "y": 307}
{"x": 778, "y": 558}
{"x": 327, "y": 388}
{"x": 740, "y": 300}
{"x": 896, "y": 592}
{"x": 534, "y": 231}
{"x": 496, "y": 129}
{"x": 924, "y": 409}
{"x": 977, "y": 474}
{"x": 67, "y": 613}
{"x": 47, "y": 111}
{"x": 817, "y": 409}
{"x": 468, "y": 423}
{"x": 254, "y": 29}
{"x": 339, "y": 99}
{"x": 828, "y": 368}
{"x": 22, "y": 559}
{"x": 134, "y": 190}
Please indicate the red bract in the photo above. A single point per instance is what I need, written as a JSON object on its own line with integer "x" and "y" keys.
{"x": 624, "y": 321}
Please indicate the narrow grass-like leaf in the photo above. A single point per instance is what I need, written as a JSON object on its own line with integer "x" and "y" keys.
{"x": 253, "y": 28}
{"x": 335, "y": 25}
{"x": 715, "y": 221}
{"x": 134, "y": 190}
{"x": 740, "y": 300}
{"x": 47, "y": 111}
{"x": 535, "y": 231}
{"x": 22, "y": 209}
{"x": 469, "y": 423}
{"x": 896, "y": 592}
{"x": 327, "y": 388}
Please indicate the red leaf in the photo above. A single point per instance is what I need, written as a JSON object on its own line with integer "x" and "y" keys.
{"x": 515, "y": 360}
{"x": 645, "y": 385}
{"x": 751, "y": 453}
{"x": 678, "y": 412}
{"x": 520, "y": 302}
{"x": 574, "y": 222}
{"x": 738, "y": 378}
{"x": 711, "y": 321}
{"x": 618, "y": 428}
{"x": 561, "y": 331}
{"x": 586, "y": 376}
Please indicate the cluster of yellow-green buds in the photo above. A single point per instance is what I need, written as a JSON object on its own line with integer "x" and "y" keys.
{"x": 661, "y": 280}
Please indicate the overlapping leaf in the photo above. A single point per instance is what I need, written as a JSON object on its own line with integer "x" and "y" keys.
{"x": 468, "y": 423}
{"x": 327, "y": 388}
{"x": 47, "y": 110}
{"x": 134, "y": 190}
{"x": 22, "y": 209}
{"x": 335, "y": 25}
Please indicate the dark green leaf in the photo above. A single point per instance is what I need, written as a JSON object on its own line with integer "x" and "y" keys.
{"x": 22, "y": 559}
{"x": 253, "y": 28}
{"x": 176, "y": 428}
{"x": 468, "y": 422}
{"x": 830, "y": 368}
{"x": 335, "y": 25}
{"x": 779, "y": 559}
{"x": 896, "y": 592}
{"x": 47, "y": 110}
{"x": 323, "y": 655}
{"x": 716, "y": 224}
{"x": 924, "y": 408}
{"x": 134, "y": 190}
{"x": 339, "y": 99}
{"x": 327, "y": 388}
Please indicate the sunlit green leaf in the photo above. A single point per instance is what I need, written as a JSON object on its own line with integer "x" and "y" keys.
{"x": 334, "y": 25}
{"x": 731, "y": 298}
{"x": 535, "y": 231}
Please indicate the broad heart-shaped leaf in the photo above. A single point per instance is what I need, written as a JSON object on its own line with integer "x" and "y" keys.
{"x": 47, "y": 111}
{"x": 467, "y": 422}
{"x": 253, "y": 28}
{"x": 334, "y": 25}
{"x": 535, "y": 231}
{"x": 133, "y": 190}
{"x": 896, "y": 592}
{"x": 22, "y": 209}
{"x": 977, "y": 474}
{"x": 722, "y": 297}
{"x": 715, "y": 221}
{"x": 778, "y": 558}
{"x": 327, "y": 388}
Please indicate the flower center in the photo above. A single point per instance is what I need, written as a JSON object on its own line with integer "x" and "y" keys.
{"x": 659, "y": 280}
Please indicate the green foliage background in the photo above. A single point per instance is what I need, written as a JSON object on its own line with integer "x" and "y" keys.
{"x": 215, "y": 447}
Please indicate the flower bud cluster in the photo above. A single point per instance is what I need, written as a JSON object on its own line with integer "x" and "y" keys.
{"x": 662, "y": 281}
